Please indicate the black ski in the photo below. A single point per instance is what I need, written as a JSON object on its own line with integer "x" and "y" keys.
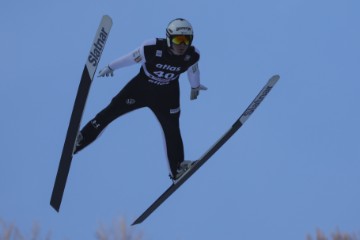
{"x": 86, "y": 79}
{"x": 238, "y": 123}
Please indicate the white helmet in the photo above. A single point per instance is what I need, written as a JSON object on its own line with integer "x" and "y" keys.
{"x": 178, "y": 26}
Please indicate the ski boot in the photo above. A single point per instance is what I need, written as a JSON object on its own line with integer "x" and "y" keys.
{"x": 78, "y": 141}
{"x": 183, "y": 167}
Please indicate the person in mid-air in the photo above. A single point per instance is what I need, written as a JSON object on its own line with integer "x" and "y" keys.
{"x": 156, "y": 86}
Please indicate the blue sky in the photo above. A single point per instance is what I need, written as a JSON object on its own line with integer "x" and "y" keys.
{"x": 292, "y": 168}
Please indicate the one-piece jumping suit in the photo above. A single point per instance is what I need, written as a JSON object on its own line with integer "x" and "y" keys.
{"x": 156, "y": 86}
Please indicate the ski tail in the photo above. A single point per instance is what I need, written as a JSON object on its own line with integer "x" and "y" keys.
{"x": 87, "y": 77}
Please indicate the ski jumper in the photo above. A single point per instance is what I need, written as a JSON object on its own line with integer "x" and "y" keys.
{"x": 156, "y": 86}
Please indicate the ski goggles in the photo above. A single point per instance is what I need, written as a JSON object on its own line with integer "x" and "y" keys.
{"x": 181, "y": 39}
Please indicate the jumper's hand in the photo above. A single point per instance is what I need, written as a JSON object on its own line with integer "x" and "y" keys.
{"x": 106, "y": 72}
{"x": 196, "y": 91}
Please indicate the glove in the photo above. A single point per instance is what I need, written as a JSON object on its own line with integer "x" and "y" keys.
{"x": 106, "y": 72}
{"x": 196, "y": 91}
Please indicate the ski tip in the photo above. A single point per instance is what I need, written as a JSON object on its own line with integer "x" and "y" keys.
{"x": 274, "y": 79}
{"x": 107, "y": 17}
{"x": 108, "y": 20}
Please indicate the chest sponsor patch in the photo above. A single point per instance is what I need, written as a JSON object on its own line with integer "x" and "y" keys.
{"x": 158, "y": 53}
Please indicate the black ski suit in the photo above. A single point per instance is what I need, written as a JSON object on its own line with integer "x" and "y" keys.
{"x": 156, "y": 86}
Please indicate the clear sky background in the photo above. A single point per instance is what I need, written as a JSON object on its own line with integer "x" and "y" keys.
{"x": 292, "y": 168}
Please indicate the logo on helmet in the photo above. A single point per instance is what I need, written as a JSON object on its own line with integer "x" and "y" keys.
{"x": 183, "y": 29}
